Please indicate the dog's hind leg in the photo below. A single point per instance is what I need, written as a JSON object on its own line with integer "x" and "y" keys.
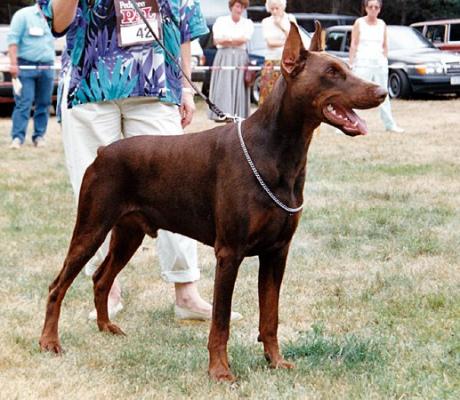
{"x": 127, "y": 236}
{"x": 271, "y": 271}
{"x": 94, "y": 221}
{"x": 228, "y": 262}
{"x": 82, "y": 247}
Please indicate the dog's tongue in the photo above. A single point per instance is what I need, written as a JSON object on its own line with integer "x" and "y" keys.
{"x": 355, "y": 123}
{"x": 346, "y": 118}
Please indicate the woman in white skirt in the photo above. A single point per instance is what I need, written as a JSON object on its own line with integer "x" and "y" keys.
{"x": 369, "y": 55}
{"x": 231, "y": 34}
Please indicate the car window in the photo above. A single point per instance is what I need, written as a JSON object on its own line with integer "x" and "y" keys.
{"x": 419, "y": 28}
{"x": 334, "y": 41}
{"x": 454, "y": 35}
{"x": 348, "y": 41}
{"x": 435, "y": 33}
{"x": 307, "y": 24}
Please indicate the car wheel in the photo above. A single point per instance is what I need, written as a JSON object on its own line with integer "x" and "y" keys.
{"x": 255, "y": 90}
{"x": 398, "y": 85}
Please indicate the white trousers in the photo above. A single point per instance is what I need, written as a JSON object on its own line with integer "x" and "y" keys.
{"x": 86, "y": 127}
{"x": 378, "y": 75}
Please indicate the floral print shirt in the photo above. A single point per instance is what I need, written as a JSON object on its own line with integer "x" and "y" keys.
{"x": 101, "y": 70}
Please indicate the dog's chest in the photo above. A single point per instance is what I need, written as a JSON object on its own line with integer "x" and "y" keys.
{"x": 272, "y": 229}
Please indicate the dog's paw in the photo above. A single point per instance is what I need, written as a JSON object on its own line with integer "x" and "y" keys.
{"x": 51, "y": 345}
{"x": 221, "y": 375}
{"x": 282, "y": 364}
{"x": 111, "y": 328}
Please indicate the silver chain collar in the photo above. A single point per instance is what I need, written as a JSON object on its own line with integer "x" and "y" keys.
{"x": 259, "y": 178}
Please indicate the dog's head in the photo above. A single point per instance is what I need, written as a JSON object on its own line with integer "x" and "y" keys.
{"x": 325, "y": 85}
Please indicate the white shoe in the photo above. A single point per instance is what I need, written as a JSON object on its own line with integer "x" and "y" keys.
{"x": 184, "y": 313}
{"x": 395, "y": 129}
{"x": 15, "y": 144}
{"x": 112, "y": 312}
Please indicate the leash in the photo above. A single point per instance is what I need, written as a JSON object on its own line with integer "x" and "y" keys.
{"x": 278, "y": 202}
{"x": 223, "y": 117}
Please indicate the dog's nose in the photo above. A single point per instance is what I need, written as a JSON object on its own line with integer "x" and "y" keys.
{"x": 380, "y": 93}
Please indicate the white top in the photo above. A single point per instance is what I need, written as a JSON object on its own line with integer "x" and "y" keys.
{"x": 271, "y": 31}
{"x": 226, "y": 28}
{"x": 369, "y": 51}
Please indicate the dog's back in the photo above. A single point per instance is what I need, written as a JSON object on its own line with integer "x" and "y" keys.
{"x": 174, "y": 174}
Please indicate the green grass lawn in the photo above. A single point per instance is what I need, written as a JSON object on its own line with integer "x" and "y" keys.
{"x": 370, "y": 304}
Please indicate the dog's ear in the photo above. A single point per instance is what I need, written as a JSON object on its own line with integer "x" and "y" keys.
{"x": 316, "y": 43}
{"x": 294, "y": 53}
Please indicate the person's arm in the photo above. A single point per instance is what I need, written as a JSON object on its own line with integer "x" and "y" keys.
{"x": 385, "y": 42}
{"x": 271, "y": 41}
{"x": 274, "y": 43}
{"x": 13, "y": 54}
{"x": 221, "y": 37}
{"x": 354, "y": 42}
{"x": 63, "y": 14}
{"x": 14, "y": 37}
{"x": 235, "y": 42}
{"x": 187, "y": 107}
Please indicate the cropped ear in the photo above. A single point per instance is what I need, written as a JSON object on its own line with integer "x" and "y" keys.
{"x": 294, "y": 53}
{"x": 316, "y": 43}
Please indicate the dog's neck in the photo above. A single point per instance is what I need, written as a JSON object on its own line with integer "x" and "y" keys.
{"x": 278, "y": 135}
{"x": 285, "y": 125}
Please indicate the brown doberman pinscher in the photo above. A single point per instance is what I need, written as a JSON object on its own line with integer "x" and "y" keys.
{"x": 202, "y": 185}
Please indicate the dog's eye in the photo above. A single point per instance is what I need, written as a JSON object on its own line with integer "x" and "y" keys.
{"x": 335, "y": 72}
{"x": 332, "y": 71}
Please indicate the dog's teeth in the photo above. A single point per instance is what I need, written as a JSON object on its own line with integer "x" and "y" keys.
{"x": 355, "y": 123}
{"x": 330, "y": 108}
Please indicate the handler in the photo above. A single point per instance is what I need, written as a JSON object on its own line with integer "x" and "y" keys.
{"x": 117, "y": 82}
{"x": 31, "y": 45}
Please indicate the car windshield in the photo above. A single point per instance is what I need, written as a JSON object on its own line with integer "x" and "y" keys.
{"x": 406, "y": 38}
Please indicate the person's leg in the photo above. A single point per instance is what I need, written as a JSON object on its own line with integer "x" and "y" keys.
{"x": 381, "y": 79}
{"x": 43, "y": 93}
{"x": 85, "y": 128}
{"x": 177, "y": 254}
{"x": 23, "y": 105}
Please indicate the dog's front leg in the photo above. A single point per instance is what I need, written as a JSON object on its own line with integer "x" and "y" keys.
{"x": 271, "y": 271}
{"x": 226, "y": 272}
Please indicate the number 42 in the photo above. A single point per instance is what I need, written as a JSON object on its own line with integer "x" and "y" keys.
{"x": 144, "y": 33}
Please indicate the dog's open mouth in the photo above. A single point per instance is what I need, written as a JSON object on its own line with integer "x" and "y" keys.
{"x": 345, "y": 119}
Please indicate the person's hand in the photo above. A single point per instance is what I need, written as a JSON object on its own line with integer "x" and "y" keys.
{"x": 187, "y": 108}
{"x": 14, "y": 70}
